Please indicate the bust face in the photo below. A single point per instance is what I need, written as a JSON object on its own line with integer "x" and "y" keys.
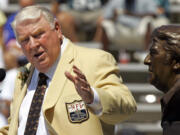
{"x": 160, "y": 65}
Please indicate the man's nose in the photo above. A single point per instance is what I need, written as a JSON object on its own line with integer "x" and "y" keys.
{"x": 33, "y": 42}
{"x": 147, "y": 60}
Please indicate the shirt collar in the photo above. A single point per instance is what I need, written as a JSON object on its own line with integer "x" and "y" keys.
{"x": 51, "y": 71}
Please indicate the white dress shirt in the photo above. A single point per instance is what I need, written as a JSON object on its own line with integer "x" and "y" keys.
{"x": 3, "y": 120}
{"x": 25, "y": 106}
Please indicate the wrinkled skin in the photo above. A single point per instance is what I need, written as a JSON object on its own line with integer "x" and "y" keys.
{"x": 39, "y": 42}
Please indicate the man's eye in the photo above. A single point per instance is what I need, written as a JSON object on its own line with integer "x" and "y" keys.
{"x": 38, "y": 35}
{"x": 153, "y": 52}
{"x": 24, "y": 41}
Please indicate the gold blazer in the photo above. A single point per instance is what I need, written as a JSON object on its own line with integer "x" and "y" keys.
{"x": 64, "y": 111}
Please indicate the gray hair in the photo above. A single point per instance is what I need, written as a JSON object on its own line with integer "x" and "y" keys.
{"x": 33, "y": 12}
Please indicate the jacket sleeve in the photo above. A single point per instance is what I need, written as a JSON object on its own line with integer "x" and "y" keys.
{"x": 116, "y": 100}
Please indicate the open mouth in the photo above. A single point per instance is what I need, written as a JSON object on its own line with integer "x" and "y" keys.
{"x": 150, "y": 70}
{"x": 38, "y": 54}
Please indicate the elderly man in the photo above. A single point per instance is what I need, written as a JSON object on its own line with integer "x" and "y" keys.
{"x": 164, "y": 67}
{"x": 83, "y": 93}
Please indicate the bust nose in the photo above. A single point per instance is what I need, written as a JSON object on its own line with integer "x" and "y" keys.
{"x": 147, "y": 60}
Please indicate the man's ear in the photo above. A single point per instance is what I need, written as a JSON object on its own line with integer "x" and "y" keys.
{"x": 58, "y": 29}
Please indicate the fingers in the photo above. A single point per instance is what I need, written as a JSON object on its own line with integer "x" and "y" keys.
{"x": 79, "y": 80}
{"x": 69, "y": 76}
{"x": 84, "y": 83}
{"x": 78, "y": 72}
{"x": 81, "y": 84}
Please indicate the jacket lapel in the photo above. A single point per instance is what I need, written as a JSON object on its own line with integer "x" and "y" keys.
{"x": 56, "y": 87}
{"x": 18, "y": 102}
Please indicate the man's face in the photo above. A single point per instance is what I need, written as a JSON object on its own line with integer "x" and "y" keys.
{"x": 39, "y": 42}
{"x": 160, "y": 67}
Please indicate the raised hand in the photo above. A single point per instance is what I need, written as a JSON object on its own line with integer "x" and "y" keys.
{"x": 81, "y": 84}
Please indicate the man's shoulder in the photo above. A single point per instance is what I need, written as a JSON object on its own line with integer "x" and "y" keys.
{"x": 90, "y": 51}
{"x": 82, "y": 52}
{"x": 88, "y": 48}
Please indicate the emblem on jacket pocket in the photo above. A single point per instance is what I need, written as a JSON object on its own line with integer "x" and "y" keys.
{"x": 77, "y": 111}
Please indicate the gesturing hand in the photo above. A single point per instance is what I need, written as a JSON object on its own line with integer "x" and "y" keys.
{"x": 81, "y": 84}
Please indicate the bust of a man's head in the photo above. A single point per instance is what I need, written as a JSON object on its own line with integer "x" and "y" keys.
{"x": 164, "y": 57}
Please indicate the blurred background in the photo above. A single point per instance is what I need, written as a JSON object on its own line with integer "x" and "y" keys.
{"x": 121, "y": 27}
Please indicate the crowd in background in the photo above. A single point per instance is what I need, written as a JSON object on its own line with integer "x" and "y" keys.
{"x": 119, "y": 24}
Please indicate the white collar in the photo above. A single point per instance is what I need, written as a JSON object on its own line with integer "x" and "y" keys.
{"x": 51, "y": 71}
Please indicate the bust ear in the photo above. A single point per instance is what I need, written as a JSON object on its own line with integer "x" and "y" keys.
{"x": 176, "y": 66}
